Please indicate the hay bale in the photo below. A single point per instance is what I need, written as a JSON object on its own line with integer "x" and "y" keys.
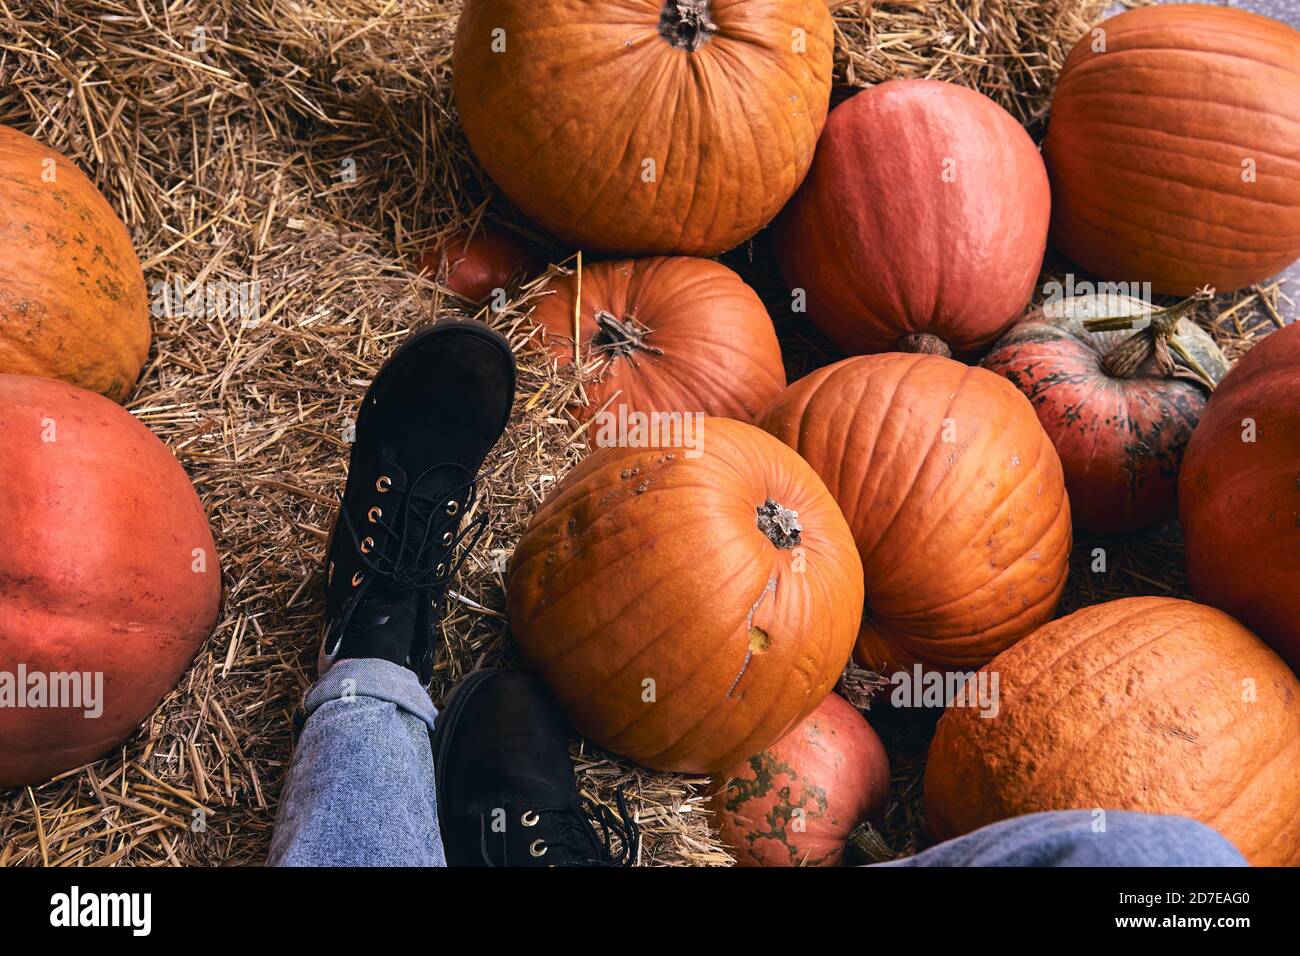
{"x": 311, "y": 147}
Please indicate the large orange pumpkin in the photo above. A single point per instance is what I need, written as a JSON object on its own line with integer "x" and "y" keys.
{"x": 955, "y": 497}
{"x": 1174, "y": 148}
{"x": 925, "y": 214}
{"x": 797, "y": 802}
{"x": 665, "y": 334}
{"x": 688, "y": 605}
{"x": 1150, "y": 704}
{"x": 73, "y": 303}
{"x": 1239, "y": 494}
{"x": 645, "y": 126}
{"x": 108, "y": 569}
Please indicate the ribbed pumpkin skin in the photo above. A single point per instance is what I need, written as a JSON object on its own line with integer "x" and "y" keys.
{"x": 584, "y": 94}
{"x": 1147, "y": 142}
{"x": 1239, "y": 501}
{"x": 831, "y": 769}
{"x": 719, "y": 350}
{"x": 73, "y": 303}
{"x": 645, "y": 564}
{"x": 964, "y": 543}
{"x": 97, "y": 573}
{"x": 1120, "y": 440}
{"x": 472, "y": 265}
{"x": 1137, "y": 704}
{"x": 885, "y": 246}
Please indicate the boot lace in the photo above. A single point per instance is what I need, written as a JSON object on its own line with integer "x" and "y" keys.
{"x": 594, "y": 834}
{"x": 419, "y": 538}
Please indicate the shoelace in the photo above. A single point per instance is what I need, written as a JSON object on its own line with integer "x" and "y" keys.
{"x": 416, "y": 565}
{"x": 594, "y": 828}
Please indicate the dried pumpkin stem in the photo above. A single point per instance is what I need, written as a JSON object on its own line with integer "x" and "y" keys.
{"x": 780, "y": 524}
{"x": 617, "y": 337}
{"x": 686, "y": 24}
{"x": 1158, "y": 338}
{"x": 923, "y": 343}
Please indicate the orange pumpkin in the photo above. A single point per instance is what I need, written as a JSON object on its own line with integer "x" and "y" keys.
{"x": 109, "y": 574}
{"x": 73, "y": 303}
{"x": 663, "y": 335}
{"x": 797, "y": 802}
{"x": 688, "y": 605}
{"x": 922, "y": 224}
{"x": 1150, "y": 704}
{"x": 1174, "y": 148}
{"x": 1239, "y": 494}
{"x": 474, "y": 264}
{"x": 637, "y": 126}
{"x": 955, "y": 497}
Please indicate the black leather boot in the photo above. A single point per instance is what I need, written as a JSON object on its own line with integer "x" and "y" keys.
{"x": 507, "y": 795}
{"x": 428, "y": 420}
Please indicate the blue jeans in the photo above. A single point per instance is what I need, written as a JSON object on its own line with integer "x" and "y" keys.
{"x": 360, "y": 793}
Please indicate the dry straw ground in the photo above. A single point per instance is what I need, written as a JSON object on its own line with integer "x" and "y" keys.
{"x": 226, "y": 135}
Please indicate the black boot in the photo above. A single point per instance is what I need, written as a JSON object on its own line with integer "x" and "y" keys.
{"x": 428, "y": 420}
{"x": 507, "y": 795}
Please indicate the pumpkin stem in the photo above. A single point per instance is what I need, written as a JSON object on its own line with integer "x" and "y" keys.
{"x": 1158, "y": 338}
{"x": 923, "y": 343}
{"x": 686, "y": 24}
{"x": 781, "y": 525}
{"x": 617, "y": 337}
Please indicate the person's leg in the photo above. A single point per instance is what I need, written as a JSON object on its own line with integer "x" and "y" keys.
{"x": 360, "y": 790}
{"x": 361, "y": 787}
{"x": 1084, "y": 838}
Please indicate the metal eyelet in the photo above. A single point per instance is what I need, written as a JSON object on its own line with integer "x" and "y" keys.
{"x": 530, "y": 818}
{"x": 367, "y": 544}
{"x": 537, "y": 848}
{"x": 446, "y": 538}
{"x": 440, "y": 569}
{"x": 453, "y": 507}
{"x": 383, "y": 483}
{"x": 357, "y": 579}
{"x": 374, "y": 514}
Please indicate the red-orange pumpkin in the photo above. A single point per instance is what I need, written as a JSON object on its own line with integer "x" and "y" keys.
{"x": 645, "y": 126}
{"x": 108, "y": 569}
{"x": 1150, "y": 704}
{"x": 73, "y": 303}
{"x": 955, "y": 497}
{"x": 925, "y": 214}
{"x": 1174, "y": 148}
{"x": 664, "y": 335}
{"x": 1118, "y": 405}
{"x": 474, "y": 264}
{"x": 795, "y": 803}
{"x": 688, "y": 605}
{"x": 1239, "y": 494}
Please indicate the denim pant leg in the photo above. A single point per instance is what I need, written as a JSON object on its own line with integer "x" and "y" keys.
{"x": 360, "y": 787}
{"x": 1084, "y": 838}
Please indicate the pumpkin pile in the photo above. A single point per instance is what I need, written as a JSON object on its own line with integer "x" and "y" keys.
{"x": 691, "y": 602}
{"x": 694, "y": 588}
